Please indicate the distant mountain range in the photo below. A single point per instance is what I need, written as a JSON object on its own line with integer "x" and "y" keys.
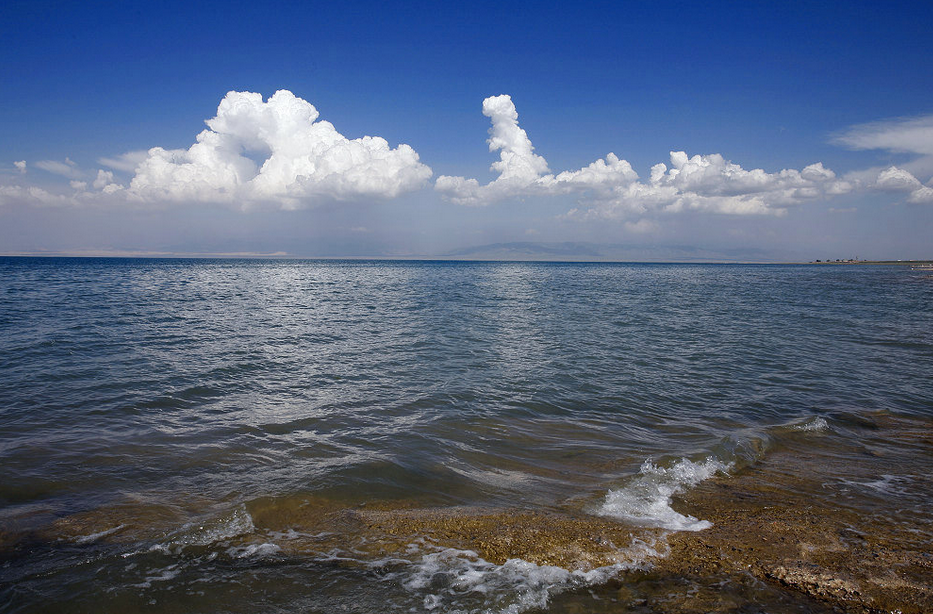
{"x": 580, "y": 252}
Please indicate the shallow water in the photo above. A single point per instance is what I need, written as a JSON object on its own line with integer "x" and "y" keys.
{"x": 242, "y": 436}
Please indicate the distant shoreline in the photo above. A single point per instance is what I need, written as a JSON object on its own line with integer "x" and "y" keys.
{"x": 285, "y": 256}
{"x": 876, "y": 262}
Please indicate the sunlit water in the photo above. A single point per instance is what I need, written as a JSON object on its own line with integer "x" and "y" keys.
{"x": 164, "y": 422}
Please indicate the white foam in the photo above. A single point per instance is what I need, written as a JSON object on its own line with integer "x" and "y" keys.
{"x": 817, "y": 424}
{"x": 885, "y": 485}
{"x": 253, "y": 551}
{"x": 499, "y": 478}
{"x": 163, "y": 575}
{"x": 646, "y": 501}
{"x": 238, "y": 522}
{"x": 455, "y": 580}
{"x": 93, "y": 537}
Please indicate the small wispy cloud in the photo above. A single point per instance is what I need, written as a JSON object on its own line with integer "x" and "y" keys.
{"x": 65, "y": 169}
{"x": 899, "y": 135}
{"x": 126, "y": 162}
{"x": 642, "y": 226}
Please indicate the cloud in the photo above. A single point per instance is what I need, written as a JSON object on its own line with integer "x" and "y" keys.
{"x": 517, "y": 160}
{"x": 612, "y": 189}
{"x": 104, "y": 178}
{"x": 922, "y": 195}
{"x": 899, "y": 136}
{"x": 276, "y": 152}
{"x": 641, "y": 226}
{"x": 126, "y": 162}
{"x": 65, "y": 169}
{"x": 518, "y": 165}
{"x": 253, "y": 152}
{"x": 903, "y": 135}
{"x": 32, "y": 195}
{"x": 521, "y": 171}
{"x": 894, "y": 179}
{"x": 104, "y": 187}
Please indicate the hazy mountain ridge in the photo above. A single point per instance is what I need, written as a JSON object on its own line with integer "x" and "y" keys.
{"x": 581, "y": 251}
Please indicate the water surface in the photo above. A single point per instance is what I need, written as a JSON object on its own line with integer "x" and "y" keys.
{"x": 190, "y": 435}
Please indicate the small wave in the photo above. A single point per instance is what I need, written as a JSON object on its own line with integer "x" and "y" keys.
{"x": 253, "y": 551}
{"x": 462, "y": 581}
{"x": 161, "y": 575}
{"x": 93, "y": 537}
{"x": 818, "y": 424}
{"x": 888, "y": 485}
{"x": 239, "y": 522}
{"x": 646, "y": 501}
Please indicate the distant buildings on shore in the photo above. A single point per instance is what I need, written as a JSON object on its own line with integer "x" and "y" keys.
{"x": 925, "y": 263}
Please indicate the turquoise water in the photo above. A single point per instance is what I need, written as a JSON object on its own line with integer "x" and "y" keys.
{"x": 154, "y": 412}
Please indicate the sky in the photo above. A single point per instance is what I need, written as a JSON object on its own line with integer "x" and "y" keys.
{"x": 763, "y": 131}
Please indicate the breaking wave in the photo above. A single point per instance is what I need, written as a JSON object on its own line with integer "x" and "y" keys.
{"x": 646, "y": 500}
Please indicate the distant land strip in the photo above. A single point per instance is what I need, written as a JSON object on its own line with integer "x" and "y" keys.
{"x": 877, "y": 262}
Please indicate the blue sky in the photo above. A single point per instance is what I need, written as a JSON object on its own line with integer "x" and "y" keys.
{"x": 738, "y": 87}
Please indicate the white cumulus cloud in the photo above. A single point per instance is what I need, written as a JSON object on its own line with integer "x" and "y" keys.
{"x": 894, "y": 179}
{"x": 276, "y": 152}
{"x": 922, "y": 195}
{"x": 612, "y": 189}
{"x": 897, "y": 179}
{"x": 20, "y": 166}
{"x": 106, "y": 183}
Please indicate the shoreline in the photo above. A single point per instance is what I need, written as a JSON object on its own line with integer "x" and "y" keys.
{"x": 922, "y": 263}
{"x": 790, "y": 532}
{"x": 272, "y": 257}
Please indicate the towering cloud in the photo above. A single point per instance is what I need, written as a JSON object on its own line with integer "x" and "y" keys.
{"x": 521, "y": 171}
{"x": 518, "y": 165}
{"x": 611, "y": 188}
{"x": 276, "y": 152}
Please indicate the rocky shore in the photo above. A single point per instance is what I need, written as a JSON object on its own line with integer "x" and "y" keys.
{"x": 779, "y": 541}
{"x": 822, "y": 558}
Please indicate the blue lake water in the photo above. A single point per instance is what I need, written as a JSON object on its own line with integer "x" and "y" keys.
{"x": 184, "y": 435}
